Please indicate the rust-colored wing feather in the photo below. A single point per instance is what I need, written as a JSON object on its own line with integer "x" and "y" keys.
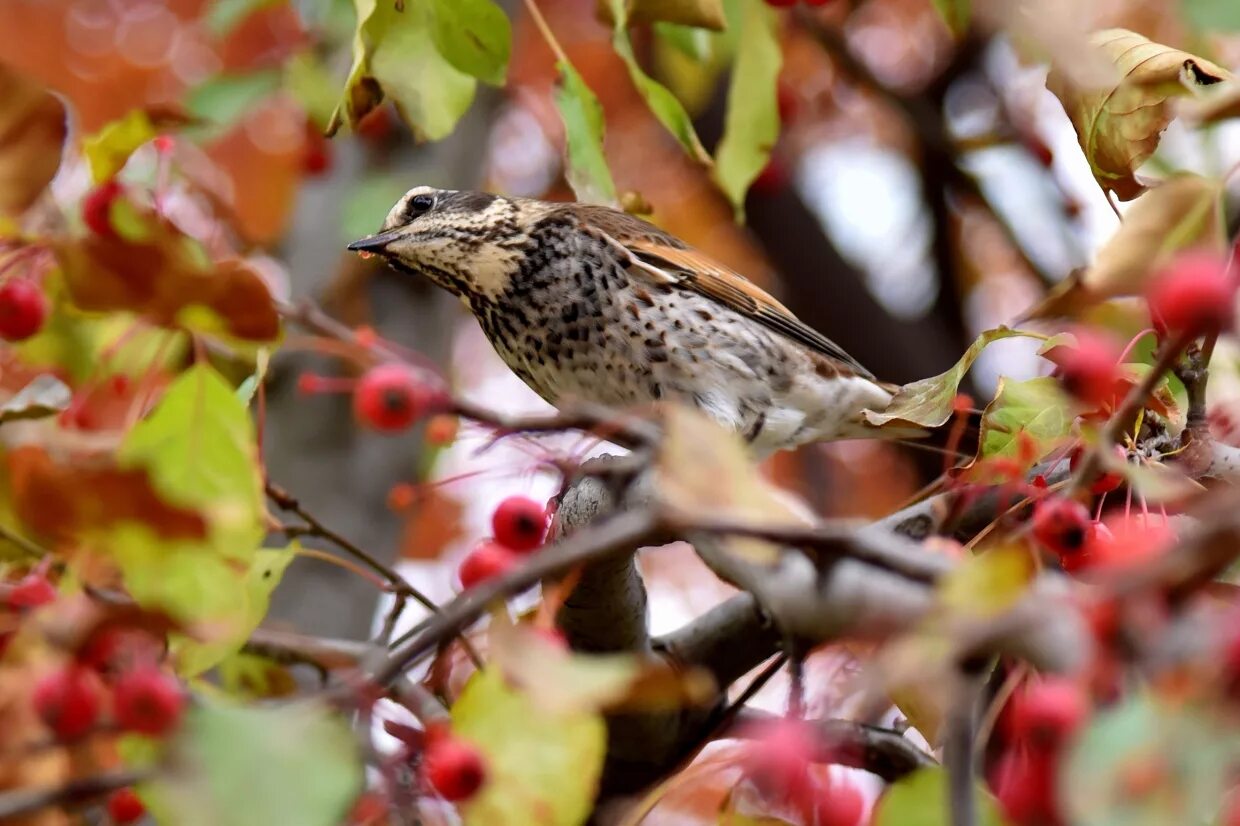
{"x": 668, "y": 259}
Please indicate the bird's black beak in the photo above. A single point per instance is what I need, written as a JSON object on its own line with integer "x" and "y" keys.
{"x": 375, "y": 243}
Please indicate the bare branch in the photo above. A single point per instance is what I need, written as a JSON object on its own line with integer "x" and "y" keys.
{"x": 74, "y": 793}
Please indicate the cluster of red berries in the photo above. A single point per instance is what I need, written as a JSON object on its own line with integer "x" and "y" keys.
{"x": 1040, "y": 722}
{"x": 519, "y": 525}
{"x": 778, "y": 758}
{"x": 144, "y": 699}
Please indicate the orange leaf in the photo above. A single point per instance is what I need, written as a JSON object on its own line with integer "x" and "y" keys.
{"x": 60, "y": 501}
{"x": 164, "y": 274}
{"x": 434, "y": 525}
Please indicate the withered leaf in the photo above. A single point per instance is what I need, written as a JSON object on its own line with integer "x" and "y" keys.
{"x": 1184, "y": 211}
{"x": 1119, "y": 125}
{"x": 164, "y": 274}
{"x": 32, "y": 135}
{"x": 60, "y": 500}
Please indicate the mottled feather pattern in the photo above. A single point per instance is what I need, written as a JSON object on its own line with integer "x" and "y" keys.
{"x": 586, "y": 302}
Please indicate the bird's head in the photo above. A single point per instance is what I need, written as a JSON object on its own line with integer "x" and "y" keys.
{"x": 469, "y": 243}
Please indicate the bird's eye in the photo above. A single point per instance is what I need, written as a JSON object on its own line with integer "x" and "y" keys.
{"x": 419, "y": 204}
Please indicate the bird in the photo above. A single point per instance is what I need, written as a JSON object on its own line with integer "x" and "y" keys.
{"x": 591, "y": 304}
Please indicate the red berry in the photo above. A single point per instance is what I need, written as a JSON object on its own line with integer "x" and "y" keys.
{"x": 23, "y": 309}
{"x": 488, "y": 560}
{"x": 1024, "y": 783}
{"x": 453, "y": 768}
{"x": 781, "y": 4}
{"x": 778, "y": 757}
{"x": 1090, "y": 370}
{"x": 32, "y": 591}
{"x": 839, "y": 803}
{"x": 378, "y": 125}
{"x": 148, "y": 701}
{"x": 1061, "y": 525}
{"x": 1123, "y": 542}
{"x": 519, "y": 523}
{"x": 68, "y": 701}
{"x": 1193, "y": 294}
{"x": 817, "y": 2}
{"x": 97, "y": 207}
{"x": 1048, "y": 712}
{"x": 164, "y": 144}
{"x": 125, "y": 807}
{"x": 389, "y": 398}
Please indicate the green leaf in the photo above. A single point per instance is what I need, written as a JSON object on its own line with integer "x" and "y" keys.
{"x": 928, "y": 402}
{"x": 662, "y": 102}
{"x": 109, "y": 149}
{"x": 542, "y": 767}
{"x": 198, "y": 446}
{"x": 45, "y": 395}
{"x": 394, "y": 55}
{"x": 955, "y": 14}
{"x": 223, "y": 99}
{"x": 587, "y": 171}
{"x": 1212, "y": 15}
{"x": 920, "y": 799}
{"x": 1182, "y": 756}
{"x": 194, "y": 656}
{"x": 256, "y": 767}
{"x": 474, "y": 36}
{"x": 707, "y": 14}
{"x": 752, "y": 123}
{"x": 1037, "y": 408}
{"x": 308, "y": 80}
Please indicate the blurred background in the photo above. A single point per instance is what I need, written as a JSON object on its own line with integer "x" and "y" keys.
{"x": 924, "y": 188}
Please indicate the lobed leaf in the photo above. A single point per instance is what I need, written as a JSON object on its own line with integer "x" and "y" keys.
{"x": 1119, "y": 124}
{"x": 295, "y": 763}
{"x": 751, "y": 126}
{"x": 928, "y": 402}
{"x": 198, "y": 447}
{"x": 394, "y": 55}
{"x": 582, "y": 114}
{"x": 474, "y": 36}
{"x": 1181, "y": 755}
{"x": 32, "y": 136}
{"x": 665, "y": 106}
{"x": 542, "y": 766}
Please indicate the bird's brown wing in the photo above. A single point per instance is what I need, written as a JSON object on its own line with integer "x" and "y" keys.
{"x": 668, "y": 260}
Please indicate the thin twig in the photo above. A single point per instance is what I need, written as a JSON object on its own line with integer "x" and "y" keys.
{"x": 27, "y": 546}
{"x": 958, "y": 756}
{"x": 25, "y": 801}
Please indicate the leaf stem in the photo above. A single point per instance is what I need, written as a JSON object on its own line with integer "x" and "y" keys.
{"x": 545, "y": 30}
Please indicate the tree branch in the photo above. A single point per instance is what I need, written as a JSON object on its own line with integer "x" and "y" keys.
{"x": 24, "y": 801}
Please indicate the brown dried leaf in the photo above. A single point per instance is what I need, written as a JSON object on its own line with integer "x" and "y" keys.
{"x": 60, "y": 500}
{"x": 1119, "y": 125}
{"x": 434, "y": 526}
{"x": 1221, "y": 103}
{"x": 162, "y": 276}
{"x": 32, "y": 134}
{"x": 1185, "y": 211}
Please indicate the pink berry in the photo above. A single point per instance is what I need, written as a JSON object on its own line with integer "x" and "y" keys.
{"x": 519, "y": 523}
{"x": 389, "y": 398}
{"x": 97, "y": 207}
{"x": 32, "y": 591}
{"x": 148, "y": 701}
{"x": 1061, "y": 525}
{"x": 777, "y": 759}
{"x": 453, "y": 768}
{"x": 1193, "y": 294}
{"x": 23, "y": 309}
{"x": 839, "y": 803}
{"x": 125, "y": 807}
{"x": 487, "y": 561}
{"x": 1048, "y": 712}
{"x": 68, "y": 701}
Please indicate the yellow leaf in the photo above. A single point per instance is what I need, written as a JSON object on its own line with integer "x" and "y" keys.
{"x": 988, "y": 583}
{"x": 1119, "y": 124}
{"x": 1184, "y": 211}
